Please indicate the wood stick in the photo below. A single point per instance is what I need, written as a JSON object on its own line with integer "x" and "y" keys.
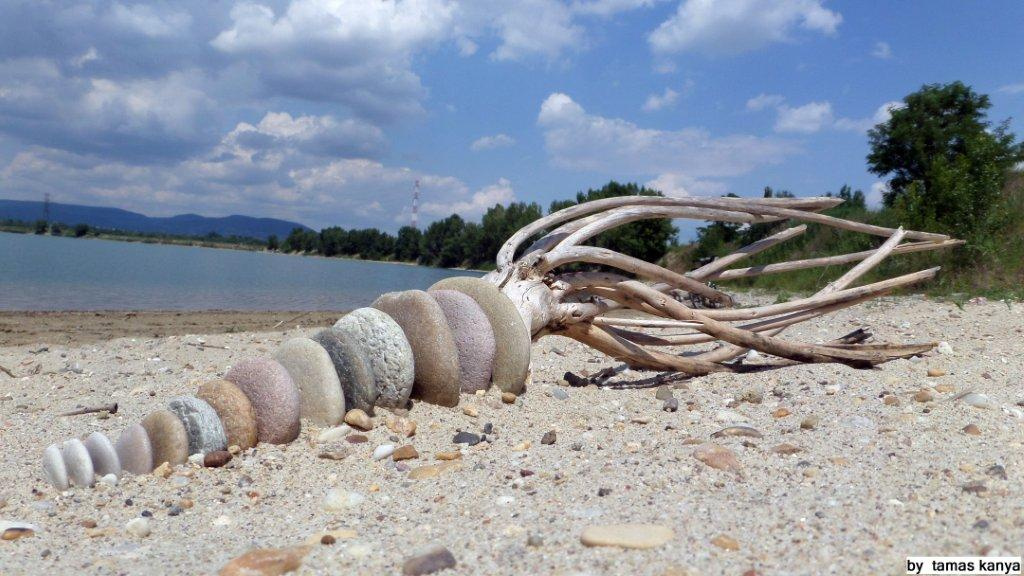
{"x": 8, "y": 372}
{"x": 711, "y": 268}
{"x": 111, "y": 408}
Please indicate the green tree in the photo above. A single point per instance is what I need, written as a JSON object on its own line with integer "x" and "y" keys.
{"x": 646, "y": 239}
{"x": 273, "y": 244}
{"x": 81, "y": 230}
{"x": 442, "y": 243}
{"x": 501, "y": 222}
{"x": 41, "y": 226}
{"x": 945, "y": 162}
{"x": 407, "y": 245}
{"x": 56, "y": 229}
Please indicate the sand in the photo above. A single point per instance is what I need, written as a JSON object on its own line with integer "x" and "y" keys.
{"x": 872, "y": 484}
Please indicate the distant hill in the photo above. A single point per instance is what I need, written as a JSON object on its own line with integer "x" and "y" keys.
{"x": 117, "y": 219}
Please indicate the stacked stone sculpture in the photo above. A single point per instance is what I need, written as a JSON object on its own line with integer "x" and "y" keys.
{"x": 466, "y": 334}
{"x": 428, "y": 345}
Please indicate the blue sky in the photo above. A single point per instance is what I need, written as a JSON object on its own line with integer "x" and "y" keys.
{"x": 327, "y": 111}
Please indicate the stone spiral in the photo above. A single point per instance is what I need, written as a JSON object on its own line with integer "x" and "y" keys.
{"x": 460, "y": 336}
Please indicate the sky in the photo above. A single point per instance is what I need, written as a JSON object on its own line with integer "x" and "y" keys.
{"x": 328, "y": 111}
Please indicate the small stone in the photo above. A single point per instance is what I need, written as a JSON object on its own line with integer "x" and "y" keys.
{"x": 924, "y": 395}
{"x": 466, "y": 438}
{"x": 433, "y": 470}
{"x": 549, "y": 438}
{"x": 216, "y": 459}
{"x": 602, "y": 492}
{"x": 522, "y": 446}
{"x": 534, "y": 541}
{"x": 407, "y": 452}
{"x": 508, "y": 398}
{"x": 186, "y": 503}
{"x": 810, "y": 472}
{"x": 728, "y": 416}
{"x": 717, "y": 457}
{"x": 338, "y": 499}
{"x": 560, "y": 394}
{"x": 633, "y": 536}
{"x": 333, "y": 434}
{"x": 752, "y": 397}
{"x": 359, "y": 419}
{"x": 935, "y": 372}
{"x": 670, "y": 405}
{"x": 979, "y": 401}
{"x": 356, "y": 439}
{"x": 726, "y": 542}
{"x": 328, "y": 540}
{"x": 891, "y": 400}
{"x": 138, "y": 527}
{"x": 786, "y": 449}
{"x": 945, "y": 388}
{"x": 107, "y": 479}
{"x": 163, "y": 470}
{"x": 335, "y": 452}
{"x": 10, "y": 531}
{"x": 663, "y": 393}
{"x": 972, "y": 429}
{"x": 433, "y": 558}
{"x": 810, "y": 422}
{"x": 87, "y": 523}
{"x": 470, "y": 411}
{"x": 266, "y": 562}
{"x": 944, "y": 348}
{"x": 781, "y": 412}
{"x": 744, "y": 431}
{"x": 402, "y": 426}
{"x": 975, "y": 487}
{"x": 453, "y": 455}
{"x": 383, "y": 451}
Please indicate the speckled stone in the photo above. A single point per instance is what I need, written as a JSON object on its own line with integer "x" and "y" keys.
{"x": 205, "y": 432}
{"x": 435, "y": 355}
{"x": 511, "y": 335}
{"x": 234, "y": 409}
{"x": 134, "y": 450}
{"x": 167, "y": 438}
{"x": 78, "y": 462}
{"x": 389, "y": 352}
{"x": 103, "y": 455}
{"x": 311, "y": 368}
{"x": 273, "y": 395}
{"x": 473, "y": 337}
{"x": 53, "y": 467}
{"x": 353, "y": 367}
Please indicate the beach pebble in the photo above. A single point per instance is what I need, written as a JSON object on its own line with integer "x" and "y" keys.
{"x": 234, "y": 410}
{"x": 670, "y": 405}
{"x": 474, "y": 338}
{"x": 355, "y": 372}
{"x": 54, "y": 470}
{"x": 407, "y": 452}
{"x": 359, "y": 419}
{"x": 726, "y": 542}
{"x": 108, "y": 479}
{"x": 944, "y": 348}
{"x": 266, "y": 562}
{"x": 935, "y": 372}
{"x": 433, "y": 558}
{"x": 508, "y": 398}
{"x": 924, "y": 395}
{"x": 134, "y": 450}
{"x": 103, "y": 455}
{"x": 727, "y": 416}
{"x": 810, "y": 422}
{"x": 333, "y": 434}
{"x": 389, "y": 352}
{"x": 321, "y": 400}
{"x": 433, "y": 470}
{"x": 436, "y": 357}
{"x": 15, "y": 530}
{"x": 338, "y": 499}
{"x": 979, "y": 400}
{"x": 78, "y": 463}
{"x": 168, "y": 437}
{"x": 463, "y": 437}
{"x": 717, "y": 457}
{"x": 972, "y": 430}
{"x": 560, "y": 394}
{"x": 205, "y": 432}
{"x": 511, "y": 335}
{"x": 138, "y": 527}
{"x": 404, "y": 427}
{"x": 273, "y": 396}
{"x": 383, "y": 451}
{"x": 216, "y": 459}
{"x": 744, "y": 431}
{"x": 634, "y": 536}
{"x": 549, "y": 438}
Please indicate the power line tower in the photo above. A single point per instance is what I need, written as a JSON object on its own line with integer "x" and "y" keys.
{"x": 46, "y": 207}
{"x": 416, "y": 204}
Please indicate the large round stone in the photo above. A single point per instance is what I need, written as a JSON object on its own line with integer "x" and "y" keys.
{"x": 273, "y": 395}
{"x": 78, "y": 462}
{"x": 511, "y": 336}
{"x": 134, "y": 450}
{"x": 311, "y": 368}
{"x": 473, "y": 337}
{"x": 435, "y": 355}
{"x": 53, "y": 467}
{"x": 205, "y": 432}
{"x": 235, "y": 412}
{"x": 353, "y": 367}
{"x": 389, "y": 353}
{"x": 168, "y": 437}
{"x": 103, "y": 455}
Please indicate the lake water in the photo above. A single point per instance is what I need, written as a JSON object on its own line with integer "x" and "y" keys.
{"x": 54, "y": 273}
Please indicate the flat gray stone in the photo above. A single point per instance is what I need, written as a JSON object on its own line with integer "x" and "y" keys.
{"x": 310, "y": 366}
{"x": 134, "y": 450}
{"x": 390, "y": 354}
{"x": 436, "y": 358}
{"x": 103, "y": 455}
{"x": 78, "y": 462}
{"x": 273, "y": 395}
{"x": 511, "y": 335}
{"x": 205, "y": 432}
{"x": 353, "y": 367}
{"x": 53, "y": 467}
{"x": 473, "y": 337}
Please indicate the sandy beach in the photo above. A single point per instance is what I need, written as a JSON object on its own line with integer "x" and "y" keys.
{"x": 849, "y": 471}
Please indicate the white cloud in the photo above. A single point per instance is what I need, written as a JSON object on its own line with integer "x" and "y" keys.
{"x": 610, "y": 7}
{"x": 500, "y": 192}
{"x": 680, "y": 186}
{"x": 1012, "y": 88}
{"x": 874, "y": 198}
{"x": 805, "y": 119}
{"x": 881, "y": 115}
{"x": 736, "y": 26}
{"x": 882, "y": 50}
{"x": 762, "y": 101}
{"x": 492, "y": 142}
{"x": 90, "y": 55}
{"x": 578, "y": 140}
{"x": 656, "y": 102}
{"x": 151, "y": 21}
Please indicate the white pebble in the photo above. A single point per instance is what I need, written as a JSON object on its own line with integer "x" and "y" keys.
{"x": 944, "y": 348}
{"x": 752, "y": 356}
{"x": 359, "y": 550}
{"x": 197, "y": 459}
{"x": 979, "y": 401}
{"x": 333, "y": 434}
{"x": 339, "y": 499}
{"x": 730, "y": 416}
{"x": 109, "y": 479}
{"x": 138, "y": 527}
{"x": 383, "y": 451}
{"x": 222, "y": 520}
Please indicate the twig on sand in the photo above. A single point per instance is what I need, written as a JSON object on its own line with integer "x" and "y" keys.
{"x": 202, "y": 345}
{"x": 290, "y": 320}
{"x": 111, "y": 408}
{"x": 8, "y": 372}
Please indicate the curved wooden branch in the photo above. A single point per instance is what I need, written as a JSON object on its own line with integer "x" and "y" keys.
{"x": 711, "y": 268}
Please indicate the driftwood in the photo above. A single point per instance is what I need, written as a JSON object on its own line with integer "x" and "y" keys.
{"x": 587, "y": 305}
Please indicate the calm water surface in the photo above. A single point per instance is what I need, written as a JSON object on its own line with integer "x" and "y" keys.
{"x": 53, "y": 273}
